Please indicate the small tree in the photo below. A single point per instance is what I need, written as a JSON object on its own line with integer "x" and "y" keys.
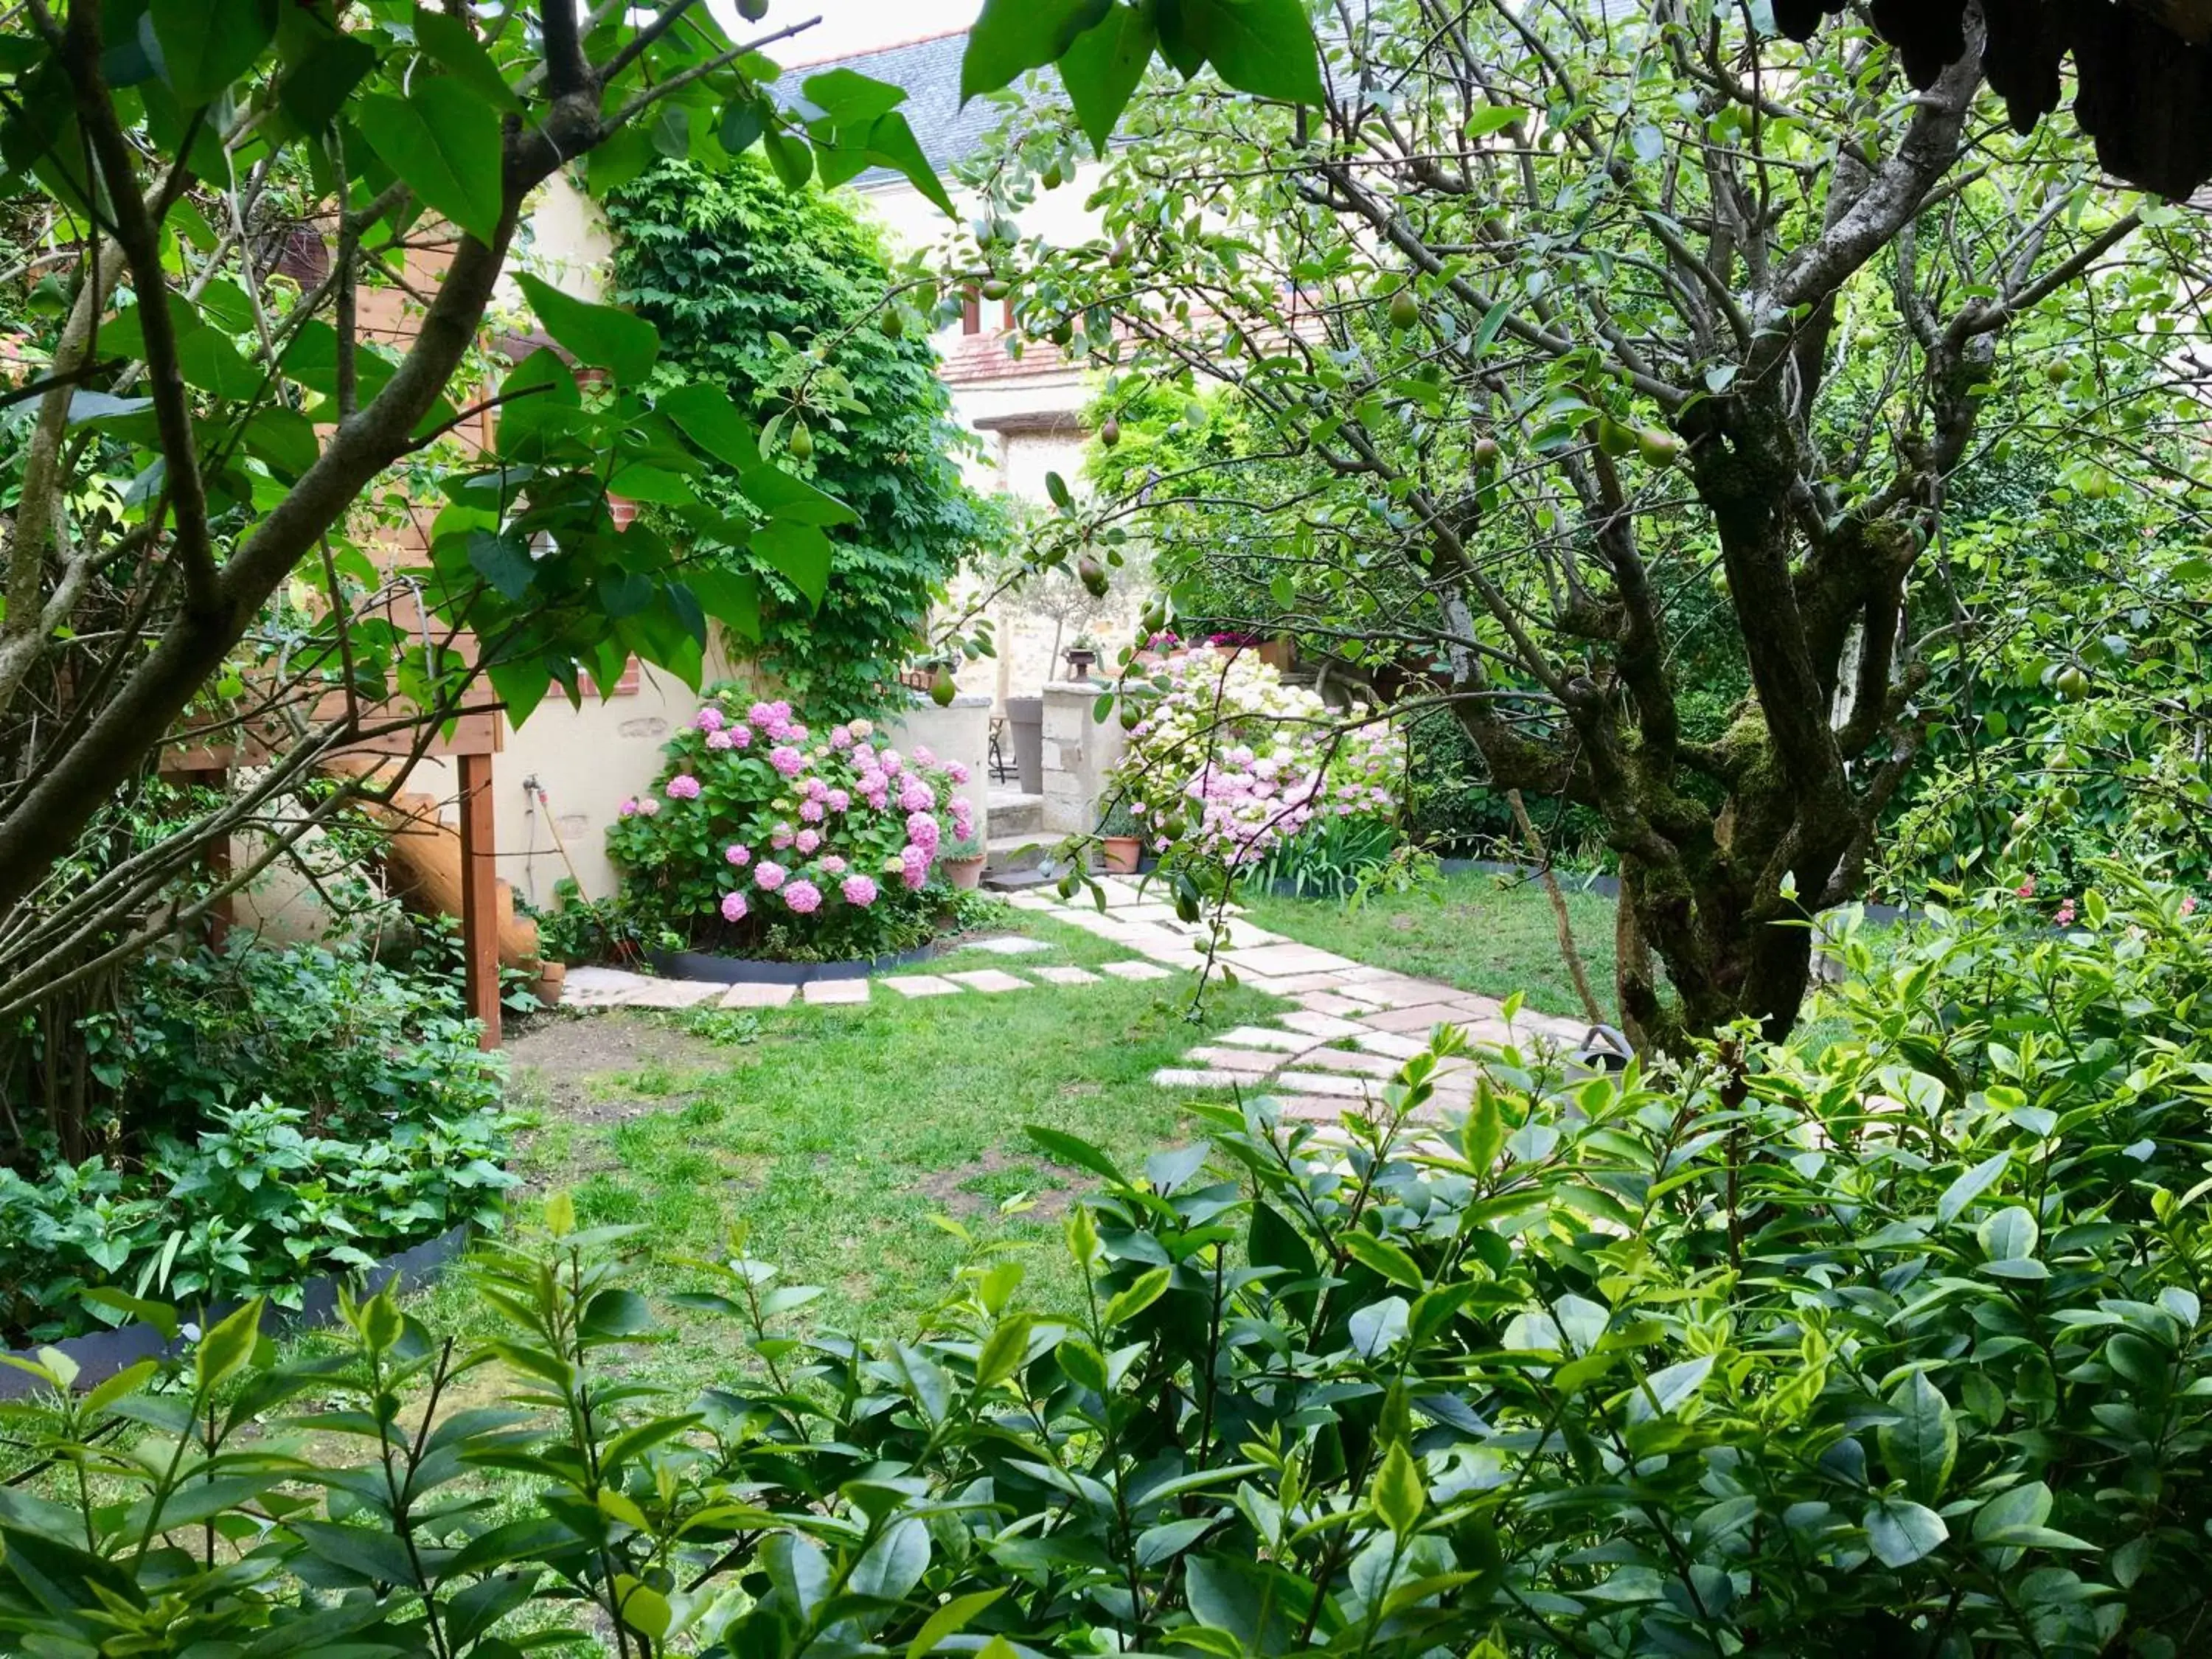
{"x": 1554, "y": 332}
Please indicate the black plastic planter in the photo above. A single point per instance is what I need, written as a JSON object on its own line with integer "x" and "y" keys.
{"x": 100, "y": 1354}
{"x": 748, "y": 971}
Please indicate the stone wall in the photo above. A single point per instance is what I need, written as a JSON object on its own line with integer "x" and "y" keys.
{"x": 961, "y": 732}
{"x": 1078, "y": 752}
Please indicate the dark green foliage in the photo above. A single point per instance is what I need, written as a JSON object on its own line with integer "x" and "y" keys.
{"x": 736, "y": 271}
{"x": 1899, "y": 1352}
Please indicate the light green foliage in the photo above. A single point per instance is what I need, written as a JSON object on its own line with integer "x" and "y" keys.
{"x": 1574, "y": 1375}
{"x": 772, "y": 296}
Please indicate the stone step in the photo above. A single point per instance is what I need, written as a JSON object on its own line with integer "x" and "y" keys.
{"x": 1013, "y": 851}
{"x": 1014, "y": 813}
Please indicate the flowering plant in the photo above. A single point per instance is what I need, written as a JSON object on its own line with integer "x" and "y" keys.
{"x": 1226, "y": 763}
{"x": 767, "y": 837}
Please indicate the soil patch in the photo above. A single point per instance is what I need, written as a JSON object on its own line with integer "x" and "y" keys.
{"x": 968, "y": 1190}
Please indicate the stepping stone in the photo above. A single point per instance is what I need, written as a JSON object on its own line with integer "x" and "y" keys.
{"x": 1310, "y": 1109}
{"x": 1253, "y": 1061}
{"x": 1029, "y": 901}
{"x": 1416, "y": 1019}
{"x": 1330, "y": 1083}
{"x": 1117, "y": 892}
{"x": 1327, "y": 1027}
{"x": 1351, "y": 1059}
{"x": 1262, "y": 1036}
{"x": 674, "y": 994}
{"x": 1393, "y": 1045}
{"x": 1010, "y": 946}
{"x": 989, "y": 979}
{"x": 1292, "y": 984}
{"x": 1066, "y": 975}
{"x": 601, "y": 987}
{"x": 1083, "y": 916}
{"x": 1135, "y": 970}
{"x": 1288, "y": 959}
{"x": 923, "y": 985}
{"x": 1329, "y": 1002}
{"x": 1179, "y": 1076}
{"x": 1151, "y": 939}
{"x": 822, "y": 992}
{"x": 758, "y": 996}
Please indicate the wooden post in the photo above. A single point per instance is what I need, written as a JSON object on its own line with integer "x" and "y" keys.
{"x": 479, "y": 897}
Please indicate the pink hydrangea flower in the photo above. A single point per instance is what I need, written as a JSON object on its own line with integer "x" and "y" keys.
{"x": 862, "y": 729}
{"x": 740, "y": 735}
{"x": 806, "y": 840}
{"x": 859, "y": 890}
{"x": 720, "y": 740}
{"x": 957, "y": 771}
{"x": 787, "y": 760}
{"x": 915, "y": 796}
{"x": 837, "y": 800}
{"x": 684, "y": 786}
{"x": 814, "y": 789}
{"x": 841, "y": 737}
{"x": 781, "y": 835}
{"x": 811, "y": 811}
{"x": 2065, "y": 916}
{"x": 769, "y": 875}
{"x": 873, "y": 781}
{"x": 921, "y": 829}
{"x": 797, "y": 733}
{"x": 733, "y": 906}
{"x": 648, "y": 807}
{"x": 2026, "y": 890}
{"x": 2189, "y": 905}
{"x": 739, "y": 853}
{"x": 709, "y": 718}
{"x": 922, "y": 757}
{"x": 803, "y": 897}
{"x": 878, "y": 799}
{"x": 913, "y": 867}
{"x": 628, "y": 808}
{"x": 834, "y": 865}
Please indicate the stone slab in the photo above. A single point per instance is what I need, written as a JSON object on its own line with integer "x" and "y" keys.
{"x": 1262, "y": 1036}
{"x": 1415, "y": 1019}
{"x": 1279, "y": 959}
{"x": 1012, "y": 944}
{"x": 1392, "y": 1045}
{"x": 1064, "y": 975}
{"x": 1254, "y": 1063}
{"x": 824, "y": 993}
{"x": 1135, "y": 970}
{"x": 1329, "y": 1083}
{"x": 600, "y": 987}
{"x": 1353, "y": 1060}
{"x": 1310, "y": 1109}
{"x": 674, "y": 994}
{"x": 1326, "y": 1026}
{"x": 1183, "y": 1076}
{"x": 758, "y": 996}
{"x": 1329, "y": 1002}
{"x": 1029, "y": 901}
{"x": 1292, "y": 984}
{"x": 923, "y": 985}
{"x": 989, "y": 979}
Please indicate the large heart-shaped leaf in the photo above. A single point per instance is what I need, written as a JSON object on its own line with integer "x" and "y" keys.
{"x": 442, "y": 139}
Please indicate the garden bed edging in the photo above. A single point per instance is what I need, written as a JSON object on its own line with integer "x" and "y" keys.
{"x": 753, "y": 971}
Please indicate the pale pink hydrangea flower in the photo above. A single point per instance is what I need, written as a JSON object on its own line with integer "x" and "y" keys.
{"x": 648, "y": 807}
{"x": 740, "y": 736}
{"x": 739, "y": 853}
{"x": 684, "y": 786}
{"x": 922, "y": 757}
{"x": 709, "y": 718}
{"x": 862, "y": 729}
{"x": 806, "y": 840}
{"x": 787, "y": 760}
{"x": 840, "y": 737}
{"x": 2189, "y": 905}
{"x": 811, "y": 811}
{"x": 838, "y": 801}
{"x": 859, "y": 890}
{"x": 889, "y": 761}
{"x": 803, "y": 897}
{"x": 834, "y": 865}
{"x": 760, "y": 713}
{"x": 957, "y": 771}
{"x": 733, "y": 906}
{"x": 769, "y": 876}
{"x": 915, "y": 796}
{"x": 720, "y": 740}
{"x": 627, "y": 809}
{"x": 781, "y": 835}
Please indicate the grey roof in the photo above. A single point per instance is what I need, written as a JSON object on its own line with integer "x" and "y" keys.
{"x": 929, "y": 72}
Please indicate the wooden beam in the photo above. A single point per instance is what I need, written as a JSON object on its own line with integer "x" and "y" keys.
{"x": 2190, "y": 18}
{"x": 479, "y": 897}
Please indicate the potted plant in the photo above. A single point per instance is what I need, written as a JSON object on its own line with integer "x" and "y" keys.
{"x": 1081, "y": 657}
{"x": 961, "y": 861}
{"x": 1121, "y": 838}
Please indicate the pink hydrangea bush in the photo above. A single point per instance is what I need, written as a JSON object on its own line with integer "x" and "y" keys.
{"x": 765, "y": 836}
{"x": 1229, "y": 764}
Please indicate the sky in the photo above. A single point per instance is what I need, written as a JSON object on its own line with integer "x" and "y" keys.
{"x": 849, "y": 26}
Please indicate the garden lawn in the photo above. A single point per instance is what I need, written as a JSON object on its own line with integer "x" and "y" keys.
{"x": 1484, "y": 933}
{"x": 837, "y": 1136}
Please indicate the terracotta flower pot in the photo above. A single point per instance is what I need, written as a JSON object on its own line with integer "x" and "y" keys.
{"x": 1119, "y": 854}
{"x": 966, "y": 874}
{"x": 551, "y": 976}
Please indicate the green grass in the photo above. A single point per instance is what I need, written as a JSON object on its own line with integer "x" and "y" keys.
{"x": 834, "y": 1135}
{"x": 1482, "y": 933}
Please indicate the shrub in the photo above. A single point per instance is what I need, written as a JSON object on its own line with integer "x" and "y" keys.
{"x": 763, "y": 839}
{"x": 1225, "y": 762}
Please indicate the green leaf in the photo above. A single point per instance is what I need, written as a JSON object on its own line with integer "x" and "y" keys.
{"x": 316, "y": 88}
{"x": 224, "y": 1350}
{"x": 1971, "y": 1186}
{"x": 443, "y": 140}
{"x": 2009, "y": 1235}
{"x": 1075, "y": 1152}
{"x": 160, "y": 1315}
{"x": 1399, "y": 1494}
{"x": 800, "y": 552}
{"x": 1663, "y": 1390}
{"x": 208, "y": 44}
{"x": 502, "y": 562}
{"x": 2024, "y": 1505}
{"x": 1483, "y": 1135}
{"x": 1102, "y": 67}
{"x": 894, "y": 1563}
{"x": 1128, "y": 1304}
{"x": 371, "y": 1555}
{"x": 849, "y": 97}
{"x": 891, "y": 143}
{"x": 1492, "y": 117}
{"x": 791, "y": 157}
{"x": 950, "y": 1620}
{"x": 1264, "y": 47}
{"x": 1921, "y": 1446}
{"x": 709, "y": 419}
{"x": 1003, "y": 1351}
{"x": 208, "y": 360}
{"x": 603, "y": 336}
{"x": 742, "y": 125}
{"x": 453, "y": 45}
{"x": 1388, "y": 1260}
{"x": 617, "y": 1313}
{"x": 781, "y": 495}
{"x": 1900, "y": 1532}
{"x": 1014, "y": 35}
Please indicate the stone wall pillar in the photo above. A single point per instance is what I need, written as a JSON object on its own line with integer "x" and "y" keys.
{"x": 1078, "y": 752}
{"x": 960, "y": 731}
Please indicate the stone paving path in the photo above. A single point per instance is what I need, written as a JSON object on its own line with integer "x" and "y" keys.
{"x": 1349, "y": 1029}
